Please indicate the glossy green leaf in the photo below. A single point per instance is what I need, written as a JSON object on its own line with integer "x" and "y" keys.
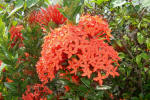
{"x": 140, "y": 38}
{"x": 145, "y": 56}
{"x": 138, "y": 59}
{"x": 146, "y": 20}
{"x": 86, "y": 82}
{"x": 98, "y": 2}
{"x": 2, "y": 30}
{"x": 121, "y": 55}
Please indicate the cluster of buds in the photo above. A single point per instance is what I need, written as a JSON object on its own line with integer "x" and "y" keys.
{"x": 16, "y": 35}
{"x": 44, "y": 17}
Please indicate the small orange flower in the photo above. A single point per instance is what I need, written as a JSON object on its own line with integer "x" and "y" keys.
{"x": 36, "y": 92}
{"x": 111, "y": 96}
{"x": 26, "y": 54}
{"x": 67, "y": 88}
{"x": 9, "y": 80}
{"x": 75, "y": 79}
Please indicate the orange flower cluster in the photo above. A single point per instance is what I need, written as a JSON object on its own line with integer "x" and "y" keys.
{"x": 36, "y": 92}
{"x": 16, "y": 35}
{"x": 44, "y": 16}
{"x": 79, "y": 48}
{"x": 95, "y": 27}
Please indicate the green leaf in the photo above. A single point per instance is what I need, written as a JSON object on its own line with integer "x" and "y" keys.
{"x": 148, "y": 43}
{"x": 140, "y": 38}
{"x": 48, "y": 2}
{"x": 103, "y": 87}
{"x": 74, "y": 15}
{"x": 98, "y": 2}
{"x": 86, "y": 82}
{"x": 134, "y": 98}
{"x": 145, "y": 3}
{"x": 14, "y": 23}
{"x": 147, "y": 96}
{"x": 138, "y": 59}
{"x": 145, "y": 69}
{"x": 121, "y": 55}
{"x": 72, "y": 9}
{"x": 146, "y": 20}
{"x": 128, "y": 73}
{"x": 25, "y": 4}
{"x": 2, "y": 29}
{"x": 31, "y": 3}
{"x": 117, "y": 3}
{"x": 144, "y": 56}
{"x": 62, "y": 11}
{"x": 10, "y": 86}
{"x": 18, "y": 5}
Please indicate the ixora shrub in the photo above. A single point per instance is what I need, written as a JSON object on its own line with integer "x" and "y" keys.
{"x": 71, "y": 56}
{"x": 79, "y": 50}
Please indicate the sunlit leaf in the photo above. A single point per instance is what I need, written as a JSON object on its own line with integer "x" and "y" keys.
{"x": 138, "y": 59}
{"x": 103, "y": 87}
{"x": 140, "y": 38}
{"x": 145, "y": 3}
{"x": 144, "y": 56}
{"x": 117, "y": 3}
{"x": 2, "y": 30}
{"x": 31, "y": 3}
{"x": 148, "y": 43}
{"x": 98, "y": 2}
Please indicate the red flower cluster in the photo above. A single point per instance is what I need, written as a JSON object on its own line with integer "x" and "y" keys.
{"x": 79, "y": 48}
{"x": 36, "y": 92}
{"x": 16, "y": 35}
{"x": 95, "y": 26}
{"x": 45, "y": 16}
{"x": 33, "y": 17}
